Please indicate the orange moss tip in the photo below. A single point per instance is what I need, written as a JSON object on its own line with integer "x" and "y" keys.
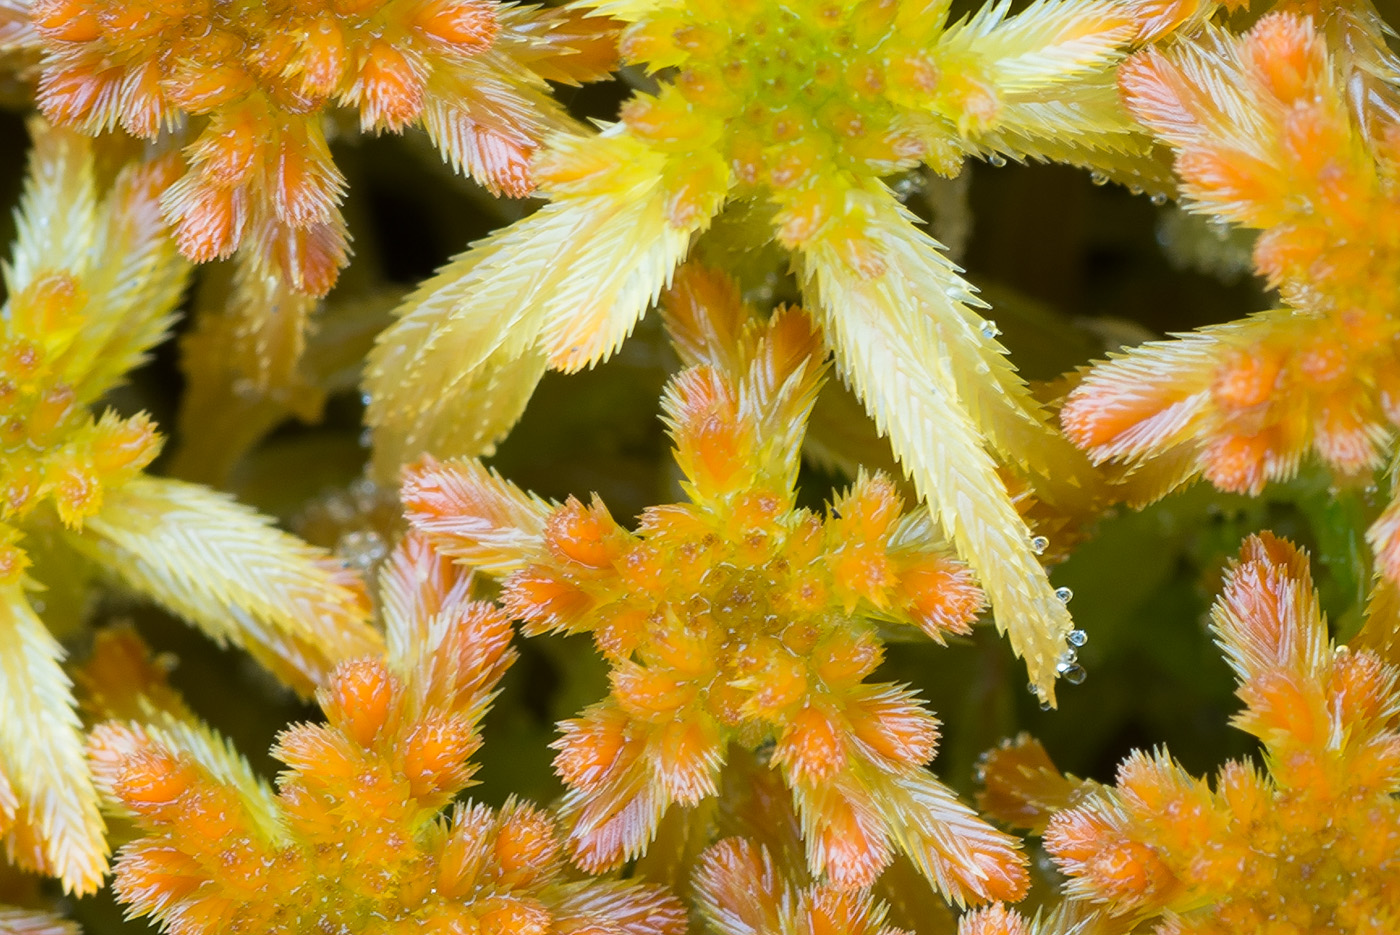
{"x": 1247, "y": 401}
{"x": 434, "y": 756}
{"x": 995, "y": 919}
{"x": 526, "y": 847}
{"x": 1286, "y": 55}
{"x": 323, "y": 756}
{"x": 164, "y": 787}
{"x": 388, "y": 89}
{"x": 590, "y": 746}
{"x": 985, "y": 865}
{"x": 1113, "y": 414}
{"x": 472, "y": 658}
{"x": 705, "y": 315}
{"x": 686, "y": 759}
{"x": 941, "y": 595}
{"x": 1384, "y": 539}
{"x": 738, "y": 886}
{"x": 358, "y": 699}
{"x": 740, "y": 889}
{"x": 1105, "y": 866}
{"x": 617, "y": 823}
{"x": 150, "y": 876}
{"x": 151, "y": 783}
{"x": 122, "y": 677}
{"x": 851, "y": 844}
{"x": 892, "y": 725}
{"x": 583, "y": 45}
{"x": 813, "y": 746}
{"x": 470, "y": 26}
{"x": 15, "y": 921}
{"x": 586, "y": 536}
{"x": 469, "y": 511}
{"x": 1021, "y": 787}
{"x": 714, "y": 446}
{"x": 547, "y": 603}
{"x": 1247, "y": 174}
{"x": 1266, "y": 614}
{"x": 209, "y": 221}
{"x": 109, "y": 744}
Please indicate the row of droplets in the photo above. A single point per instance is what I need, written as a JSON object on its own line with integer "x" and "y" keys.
{"x": 1157, "y": 198}
{"x": 1067, "y": 665}
{"x": 997, "y": 160}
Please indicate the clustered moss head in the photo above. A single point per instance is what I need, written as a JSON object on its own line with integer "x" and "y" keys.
{"x": 715, "y": 676}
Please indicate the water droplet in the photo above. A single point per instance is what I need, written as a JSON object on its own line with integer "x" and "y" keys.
{"x": 366, "y": 438}
{"x": 1039, "y": 544}
{"x": 1077, "y": 637}
{"x": 1159, "y": 198}
{"x": 990, "y": 329}
{"x": 1135, "y": 189}
{"x": 362, "y": 548}
{"x": 1098, "y": 178}
{"x": 1064, "y": 594}
{"x": 997, "y": 159}
{"x": 365, "y": 400}
{"x": 908, "y": 185}
{"x": 1045, "y": 705}
{"x": 1074, "y": 674}
{"x": 1067, "y": 658}
{"x": 1030, "y": 687}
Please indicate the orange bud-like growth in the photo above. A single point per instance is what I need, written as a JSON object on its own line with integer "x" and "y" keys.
{"x": 221, "y": 851}
{"x": 1315, "y": 839}
{"x": 736, "y": 617}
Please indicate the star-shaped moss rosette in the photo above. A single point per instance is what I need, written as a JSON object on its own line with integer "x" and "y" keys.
{"x": 740, "y": 890}
{"x": 247, "y": 91}
{"x": 355, "y": 838}
{"x": 257, "y": 79}
{"x": 738, "y": 618}
{"x": 1291, "y": 130}
{"x": 92, "y": 285}
{"x": 1069, "y": 917}
{"x": 34, "y": 922}
{"x": 750, "y": 885}
{"x": 1310, "y": 846}
{"x": 795, "y": 112}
